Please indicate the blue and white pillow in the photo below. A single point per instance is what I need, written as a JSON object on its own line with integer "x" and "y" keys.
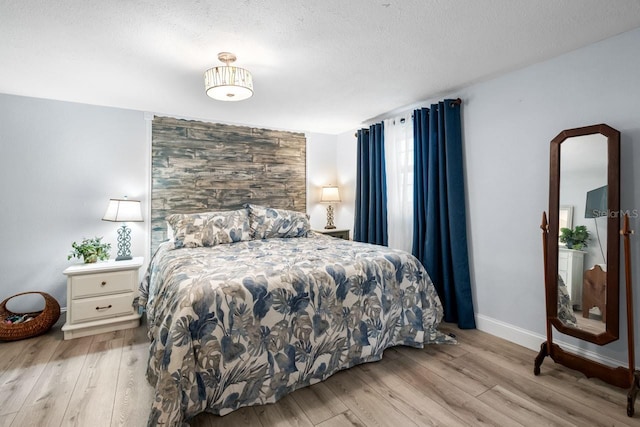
{"x": 267, "y": 223}
{"x": 209, "y": 228}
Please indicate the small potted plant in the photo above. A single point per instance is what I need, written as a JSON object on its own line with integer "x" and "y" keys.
{"x": 576, "y": 238}
{"x": 91, "y": 250}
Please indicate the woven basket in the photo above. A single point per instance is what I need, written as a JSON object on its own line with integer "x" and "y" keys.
{"x": 41, "y": 323}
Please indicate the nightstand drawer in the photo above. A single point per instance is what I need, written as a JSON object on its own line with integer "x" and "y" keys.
{"x": 89, "y": 285}
{"x": 86, "y": 309}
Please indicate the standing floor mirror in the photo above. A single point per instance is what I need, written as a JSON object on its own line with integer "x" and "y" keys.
{"x": 581, "y": 242}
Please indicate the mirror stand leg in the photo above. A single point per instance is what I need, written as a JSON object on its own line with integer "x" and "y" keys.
{"x": 633, "y": 393}
{"x": 540, "y": 358}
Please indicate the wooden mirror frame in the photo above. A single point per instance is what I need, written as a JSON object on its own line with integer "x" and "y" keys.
{"x": 617, "y": 376}
{"x": 613, "y": 235}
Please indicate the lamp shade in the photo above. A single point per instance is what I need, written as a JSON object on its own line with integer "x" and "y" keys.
{"x": 330, "y": 194}
{"x": 123, "y": 210}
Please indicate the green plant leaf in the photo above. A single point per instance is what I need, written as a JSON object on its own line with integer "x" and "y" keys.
{"x": 90, "y": 250}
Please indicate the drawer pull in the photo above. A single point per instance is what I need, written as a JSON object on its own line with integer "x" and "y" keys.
{"x": 104, "y": 308}
{"x": 103, "y": 283}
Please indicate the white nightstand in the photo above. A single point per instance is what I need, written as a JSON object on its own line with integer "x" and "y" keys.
{"x": 100, "y": 297}
{"x": 340, "y": 233}
{"x": 571, "y": 269}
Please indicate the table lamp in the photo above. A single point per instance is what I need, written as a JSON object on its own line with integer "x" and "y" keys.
{"x": 123, "y": 210}
{"x": 330, "y": 194}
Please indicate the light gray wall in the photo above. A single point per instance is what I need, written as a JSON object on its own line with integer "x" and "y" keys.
{"x": 346, "y": 162}
{"x": 329, "y": 161}
{"x": 60, "y": 163}
{"x": 321, "y": 170}
{"x": 508, "y": 125}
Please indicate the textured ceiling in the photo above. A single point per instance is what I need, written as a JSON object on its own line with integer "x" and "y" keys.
{"x": 321, "y": 66}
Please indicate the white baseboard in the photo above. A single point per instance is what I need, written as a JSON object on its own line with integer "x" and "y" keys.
{"x": 533, "y": 341}
{"x": 528, "y": 339}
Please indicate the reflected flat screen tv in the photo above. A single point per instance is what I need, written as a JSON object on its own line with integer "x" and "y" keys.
{"x": 596, "y": 203}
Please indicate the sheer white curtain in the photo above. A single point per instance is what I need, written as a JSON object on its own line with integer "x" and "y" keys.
{"x": 398, "y": 149}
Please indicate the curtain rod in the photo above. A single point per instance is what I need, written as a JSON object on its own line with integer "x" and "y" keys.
{"x": 456, "y": 101}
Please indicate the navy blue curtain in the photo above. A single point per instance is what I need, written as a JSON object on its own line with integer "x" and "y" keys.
{"x": 440, "y": 227}
{"x": 371, "y": 188}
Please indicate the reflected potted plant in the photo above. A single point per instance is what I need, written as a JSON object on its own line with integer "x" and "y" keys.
{"x": 575, "y": 238}
{"x": 91, "y": 250}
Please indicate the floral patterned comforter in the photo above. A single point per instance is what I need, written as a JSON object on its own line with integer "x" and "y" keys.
{"x": 246, "y": 323}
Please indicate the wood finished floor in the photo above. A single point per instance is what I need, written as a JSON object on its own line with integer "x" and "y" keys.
{"x": 99, "y": 381}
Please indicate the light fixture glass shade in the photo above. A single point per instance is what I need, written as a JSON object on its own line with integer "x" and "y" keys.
{"x": 330, "y": 194}
{"x": 227, "y": 83}
{"x": 123, "y": 210}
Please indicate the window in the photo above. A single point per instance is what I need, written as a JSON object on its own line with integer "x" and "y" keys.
{"x": 398, "y": 148}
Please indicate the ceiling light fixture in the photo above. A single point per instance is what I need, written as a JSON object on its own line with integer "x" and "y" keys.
{"x": 228, "y": 83}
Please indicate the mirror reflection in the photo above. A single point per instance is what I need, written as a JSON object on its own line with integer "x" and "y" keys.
{"x": 582, "y": 240}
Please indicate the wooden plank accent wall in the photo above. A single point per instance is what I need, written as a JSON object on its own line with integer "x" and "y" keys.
{"x": 200, "y": 167}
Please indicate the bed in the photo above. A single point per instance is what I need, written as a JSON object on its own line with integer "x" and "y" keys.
{"x": 268, "y": 306}
{"x": 565, "y": 307}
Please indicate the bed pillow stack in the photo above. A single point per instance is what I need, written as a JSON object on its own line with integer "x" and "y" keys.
{"x": 268, "y": 223}
{"x": 209, "y": 228}
{"x": 253, "y": 222}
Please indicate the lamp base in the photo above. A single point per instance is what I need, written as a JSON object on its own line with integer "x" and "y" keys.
{"x": 330, "y": 225}
{"x": 124, "y": 243}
